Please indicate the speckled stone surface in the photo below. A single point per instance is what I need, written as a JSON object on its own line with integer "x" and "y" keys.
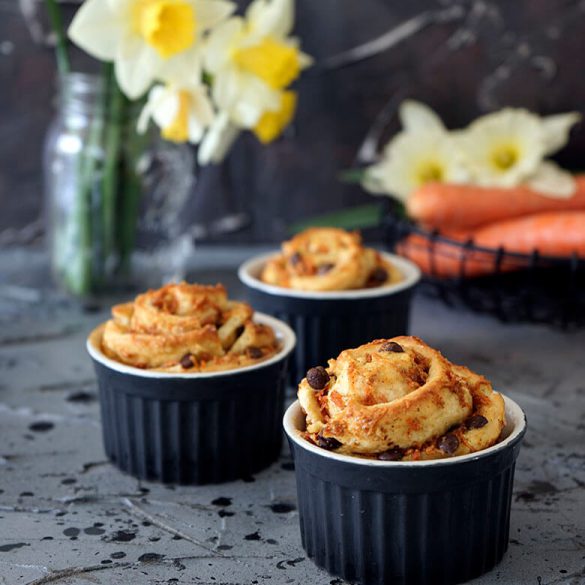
{"x": 68, "y": 516}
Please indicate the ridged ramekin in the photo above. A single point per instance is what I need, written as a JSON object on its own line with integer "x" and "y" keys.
{"x": 435, "y": 522}
{"x": 193, "y": 428}
{"x": 328, "y": 322}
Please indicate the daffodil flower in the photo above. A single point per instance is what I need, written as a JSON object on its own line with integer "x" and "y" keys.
{"x": 414, "y": 158}
{"x": 147, "y": 39}
{"x": 182, "y": 112}
{"x": 504, "y": 148}
{"x": 423, "y": 152}
{"x": 507, "y": 148}
{"x": 253, "y": 60}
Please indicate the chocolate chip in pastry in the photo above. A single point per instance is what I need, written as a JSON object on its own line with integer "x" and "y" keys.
{"x": 399, "y": 400}
{"x": 328, "y": 259}
{"x": 186, "y": 328}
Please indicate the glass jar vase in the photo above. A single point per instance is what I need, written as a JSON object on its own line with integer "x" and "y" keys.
{"x": 113, "y": 197}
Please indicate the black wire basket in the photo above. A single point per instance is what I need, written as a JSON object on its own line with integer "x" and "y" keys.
{"x": 510, "y": 286}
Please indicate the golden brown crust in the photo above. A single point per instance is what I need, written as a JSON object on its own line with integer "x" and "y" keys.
{"x": 186, "y": 328}
{"x": 328, "y": 259}
{"x": 400, "y": 399}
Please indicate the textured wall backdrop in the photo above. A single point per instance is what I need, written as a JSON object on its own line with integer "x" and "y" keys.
{"x": 462, "y": 57}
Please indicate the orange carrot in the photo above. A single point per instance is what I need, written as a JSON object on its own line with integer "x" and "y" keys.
{"x": 557, "y": 233}
{"x": 448, "y": 260}
{"x": 462, "y": 207}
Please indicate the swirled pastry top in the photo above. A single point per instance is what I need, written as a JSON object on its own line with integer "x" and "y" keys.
{"x": 328, "y": 259}
{"x": 186, "y": 328}
{"x": 399, "y": 399}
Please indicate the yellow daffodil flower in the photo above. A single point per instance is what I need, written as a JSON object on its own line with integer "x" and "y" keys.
{"x": 503, "y": 149}
{"x": 507, "y": 148}
{"x": 414, "y": 158}
{"x": 147, "y": 39}
{"x": 424, "y": 152}
{"x": 181, "y": 112}
{"x": 252, "y": 60}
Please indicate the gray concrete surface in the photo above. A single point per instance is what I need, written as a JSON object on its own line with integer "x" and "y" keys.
{"x": 67, "y": 516}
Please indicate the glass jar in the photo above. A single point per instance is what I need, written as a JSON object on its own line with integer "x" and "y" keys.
{"x": 113, "y": 197}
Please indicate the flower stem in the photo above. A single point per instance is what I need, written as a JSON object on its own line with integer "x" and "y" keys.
{"x": 82, "y": 274}
{"x": 130, "y": 204}
{"x": 111, "y": 186}
{"x": 56, "y": 20}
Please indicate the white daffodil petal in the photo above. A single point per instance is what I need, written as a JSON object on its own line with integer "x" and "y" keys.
{"x": 255, "y": 98}
{"x": 156, "y": 97}
{"x": 137, "y": 66}
{"x": 209, "y": 13}
{"x": 226, "y": 89}
{"x": 218, "y": 140}
{"x": 304, "y": 59}
{"x": 201, "y": 113}
{"x": 167, "y": 107}
{"x": 182, "y": 67}
{"x": 556, "y": 130}
{"x": 373, "y": 180}
{"x": 120, "y": 4}
{"x": 271, "y": 18}
{"x": 216, "y": 52}
{"x": 202, "y": 108}
{"x": 391, "y": 181}
{"x": 244, "y": 96}
{"x": 144, "y": 118}
{"x": 196, "y": 129}
{"x": 552, "y": 181}
{"x": 416, "y": 116}
{"x": 97, "y": 29}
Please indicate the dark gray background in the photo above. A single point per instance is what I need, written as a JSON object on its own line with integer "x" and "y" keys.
{"x": 462, "y": 57}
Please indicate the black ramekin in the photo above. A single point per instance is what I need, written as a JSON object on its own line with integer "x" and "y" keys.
{"x": 326, "y": 323}
{"x": 193, "y": 428}
{"x": 435, "y": 522}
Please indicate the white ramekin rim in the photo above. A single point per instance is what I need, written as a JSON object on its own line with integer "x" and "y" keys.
{"x": 283, "y": 332}
{"x": 514, "y": 416}
{"x": 248, "y": 273}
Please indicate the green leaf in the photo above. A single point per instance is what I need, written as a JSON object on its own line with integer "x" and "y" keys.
{"x": 360, "y": 217}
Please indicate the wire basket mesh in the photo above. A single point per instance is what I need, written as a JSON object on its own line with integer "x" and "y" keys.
{"x": 510, "y": 286}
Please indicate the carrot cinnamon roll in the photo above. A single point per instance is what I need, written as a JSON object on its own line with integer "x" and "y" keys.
{"x": 328, "y": 259}
{"x": 399, "y": 399}
{"x": 187, "y": 328}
